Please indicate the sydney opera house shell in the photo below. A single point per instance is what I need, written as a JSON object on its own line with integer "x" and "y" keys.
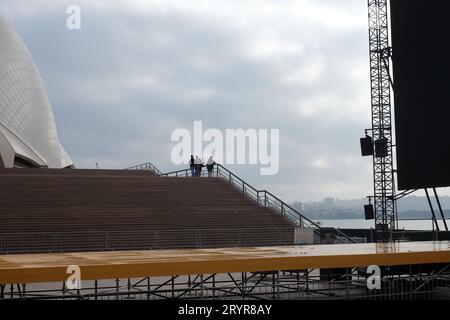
{"x": 28, "y": 136}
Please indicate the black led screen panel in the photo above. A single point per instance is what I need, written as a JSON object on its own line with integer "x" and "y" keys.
{"x": 421, "y": 75}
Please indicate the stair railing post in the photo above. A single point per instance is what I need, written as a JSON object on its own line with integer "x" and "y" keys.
{"x": 55, "y": 242}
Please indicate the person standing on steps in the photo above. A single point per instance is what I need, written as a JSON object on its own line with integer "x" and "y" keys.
{"x": 210, "y": 166}
{"x": 198, "y": 166}
{"x": 192, "y": 166}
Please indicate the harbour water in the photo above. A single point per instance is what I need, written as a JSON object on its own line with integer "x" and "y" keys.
{"x": 364, "y": 224}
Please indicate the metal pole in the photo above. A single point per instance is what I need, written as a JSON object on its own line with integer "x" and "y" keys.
{"x": 214, "y": 286}
{"x": 440, "y": 209}
{"x": 432, "y": 210}
{"x": 173, "y": 287}
{"x": 117, "y": 289}
{"x": 128, "y": 288}
{"x": 201, "y": 286}
{"x": 278, "y": 284}
{"x": 242, "y": 285}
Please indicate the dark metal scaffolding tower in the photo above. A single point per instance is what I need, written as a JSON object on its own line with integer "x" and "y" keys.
{"x": 380, "y": 82}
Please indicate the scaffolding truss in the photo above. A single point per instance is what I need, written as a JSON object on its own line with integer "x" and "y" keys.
{"x": 396, "y": 283}
{"x": 380, "y": 84}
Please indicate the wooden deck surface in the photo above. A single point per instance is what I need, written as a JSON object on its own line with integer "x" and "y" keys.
{"x": 32, "y": 268}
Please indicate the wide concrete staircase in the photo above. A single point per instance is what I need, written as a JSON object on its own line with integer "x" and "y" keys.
{"x": 45, "y": 210}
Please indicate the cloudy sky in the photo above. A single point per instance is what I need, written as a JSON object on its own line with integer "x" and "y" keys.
{"x": 137, "y": 70}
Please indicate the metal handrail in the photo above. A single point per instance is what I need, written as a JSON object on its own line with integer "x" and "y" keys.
{"x": 283, "y": 206}
{"x": 262, "y": 197}
{"x": 146, "y": 166}
{"x": 265, "y": 200}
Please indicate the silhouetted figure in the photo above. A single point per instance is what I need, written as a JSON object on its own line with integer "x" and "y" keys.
{"x": 192, "y": 165}
{"x": 198, "y": 166}
{"x": 210, "y": 166}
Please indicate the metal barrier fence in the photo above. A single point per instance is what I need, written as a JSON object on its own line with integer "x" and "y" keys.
{"x": 344, "y": 240}
{"x": 143, "y": 239}
{"x": 146, "y": 166}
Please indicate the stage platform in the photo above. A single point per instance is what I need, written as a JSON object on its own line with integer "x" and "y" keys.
{"x": 35, "y": 268}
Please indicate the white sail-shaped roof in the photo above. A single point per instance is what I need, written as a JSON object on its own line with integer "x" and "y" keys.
{"x": 27, "y": 127}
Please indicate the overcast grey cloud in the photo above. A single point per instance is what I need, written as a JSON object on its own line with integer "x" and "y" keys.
{"x": 137, "y": 70}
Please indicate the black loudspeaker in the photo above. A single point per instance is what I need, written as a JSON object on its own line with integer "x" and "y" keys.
{"x": 381, "y": 148}
{"x": 366, "y": 146}
{"x": 368, "y": 211}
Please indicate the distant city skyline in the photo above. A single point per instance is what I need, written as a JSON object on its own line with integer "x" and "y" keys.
{"x": 412, "y": 207}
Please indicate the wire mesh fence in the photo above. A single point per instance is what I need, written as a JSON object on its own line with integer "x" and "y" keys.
{"x": 143, "y": 239}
